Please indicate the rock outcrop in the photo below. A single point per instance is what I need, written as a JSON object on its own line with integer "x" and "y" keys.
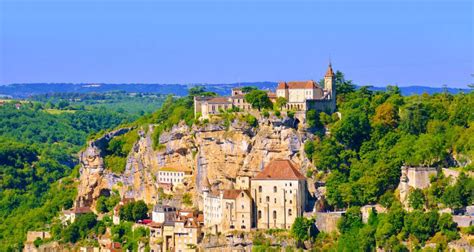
{"x": 213, "y": 151}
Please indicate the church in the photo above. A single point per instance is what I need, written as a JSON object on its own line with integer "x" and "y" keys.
{"x": 306, "y": 95}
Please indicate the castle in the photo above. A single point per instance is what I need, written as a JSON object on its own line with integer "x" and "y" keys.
{"x": 299, "y": 96}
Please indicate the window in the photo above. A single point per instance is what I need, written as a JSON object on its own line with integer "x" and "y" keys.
{"x": 259, "y": 188}
{"x": 268, "y": 198}
{"x": 242, "y": 195}
{"x": 243, "y": 207}
{"x": 274, "y": 189}
{"x": 289, "y": 212}
{"x": 259, "y": 214}
{"x": 290, "y": 184}
{"x": 260, "y": 200}
{"x": 274, "y": 214}
{"x": 291, "y": 201}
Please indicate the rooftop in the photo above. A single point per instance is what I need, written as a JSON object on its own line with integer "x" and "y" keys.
{"x": 280, "y": 169}
{"x": 298, "y": 85}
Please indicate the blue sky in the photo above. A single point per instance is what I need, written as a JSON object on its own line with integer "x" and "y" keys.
{"x": 376, "y": 43}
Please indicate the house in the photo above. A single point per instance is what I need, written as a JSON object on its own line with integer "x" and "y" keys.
{"x": 173, "y": 175}
{"x": 207, "y": 106}
{"x": 69, "y": 216}
{"x": 163, "y": 213}
{"x": 236, "y": 210}
{"x": 279, "y": 195}
{"x": 229, "y": 209}
{"x": 182, "y": 234}
{"x": 31, "y": 237}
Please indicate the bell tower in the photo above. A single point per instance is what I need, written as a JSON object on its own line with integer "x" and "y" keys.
{"x": 329, "y": 82}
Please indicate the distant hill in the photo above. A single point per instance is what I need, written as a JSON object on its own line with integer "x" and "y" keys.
{"x": 29, "y": 89}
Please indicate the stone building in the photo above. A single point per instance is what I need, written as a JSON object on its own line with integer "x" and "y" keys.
{"x": 207, "y": 106}
{"x": 173, "y": 175}
{"x": 230, "y": 209}
{"x": 306, "y": 95}
{"x": 279, "y": 195}
{"x": 163, "y": 213}
{"x": 414, "y": 178}
{"x": 236, "y": 210}
{"x": 300, "y": 96}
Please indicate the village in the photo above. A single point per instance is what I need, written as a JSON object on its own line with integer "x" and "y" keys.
{"x": 226, "y": 218}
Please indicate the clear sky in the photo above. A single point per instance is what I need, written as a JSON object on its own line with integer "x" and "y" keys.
{"x": 376, "y": 43}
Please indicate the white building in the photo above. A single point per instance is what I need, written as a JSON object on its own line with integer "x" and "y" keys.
{"x": 173, "y": 176}
{"x": 163, "y": 213}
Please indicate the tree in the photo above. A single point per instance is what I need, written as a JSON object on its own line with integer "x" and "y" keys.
{"x": 140, "y": 210}
{"x": 352, "y": 219}
{"x": 416, "y": 199}
{"x": 280, "y": 102}
{"x": 353, "y": 129}
{"x": 258, "y": 99}
{"x": 385, "y": 116}
{"x": 343, "y": 86}
{"x": 301, "y": 229}
{"x": 448, "y": 227}
{"x": 313, "y": 120}
{"x": 200, "y": 91}
{"x": 248, "y": 89}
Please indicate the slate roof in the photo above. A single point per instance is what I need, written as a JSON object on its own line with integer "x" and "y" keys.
{"x": 280, "y": 169}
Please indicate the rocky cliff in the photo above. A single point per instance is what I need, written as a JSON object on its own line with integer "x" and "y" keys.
{"x": 214, "y": 151}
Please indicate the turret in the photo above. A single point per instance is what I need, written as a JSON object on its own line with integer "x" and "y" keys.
{"x": 329, "y": 82}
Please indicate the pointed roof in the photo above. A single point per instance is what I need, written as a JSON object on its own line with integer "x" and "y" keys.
{"x": 280, "y": 169}
{"x": 329, "y": 72}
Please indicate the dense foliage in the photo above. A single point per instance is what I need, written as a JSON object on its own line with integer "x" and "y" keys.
{"x": 378, "y": 132}
{"x": 37, "y": 154}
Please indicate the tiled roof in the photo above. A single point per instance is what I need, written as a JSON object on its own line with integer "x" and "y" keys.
{"x": 219, "y": 100}
{"x": 231, "y": 194}
{"x": 281, "y": 169}
{"x": 298, "y": 85}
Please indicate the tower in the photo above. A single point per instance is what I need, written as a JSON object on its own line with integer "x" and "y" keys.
{"x": 329, "y": 82}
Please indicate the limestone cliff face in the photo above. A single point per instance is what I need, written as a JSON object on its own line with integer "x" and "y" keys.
{"x": 212, "y": 151}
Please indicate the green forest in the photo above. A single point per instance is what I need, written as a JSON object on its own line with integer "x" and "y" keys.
{"x": 38, "y": 155}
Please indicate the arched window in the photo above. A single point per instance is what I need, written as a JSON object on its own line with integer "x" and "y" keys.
{"x": 259, "y": 188}
{"x": 274, "y": 189}
{"x": 289, "y": 212}
{"x": 259, "y": 214}
{"x": 275, "y": 200}
{"x": 268, "y": 198}
{"x": 274, "y": 214}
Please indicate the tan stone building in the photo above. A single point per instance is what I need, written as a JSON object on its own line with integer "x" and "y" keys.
{"x": 305, "y": 95}
{"x": 279, "y": 195}
{"x": 207, "y": 106}
{"x": 230, "y": 209}
{"x": 236, "y": 210}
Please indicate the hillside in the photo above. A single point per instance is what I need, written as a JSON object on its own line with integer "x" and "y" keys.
{"x": 350, "y": 159}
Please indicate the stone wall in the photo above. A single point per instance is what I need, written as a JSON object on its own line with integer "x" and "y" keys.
{"x": 327, "y": 221}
